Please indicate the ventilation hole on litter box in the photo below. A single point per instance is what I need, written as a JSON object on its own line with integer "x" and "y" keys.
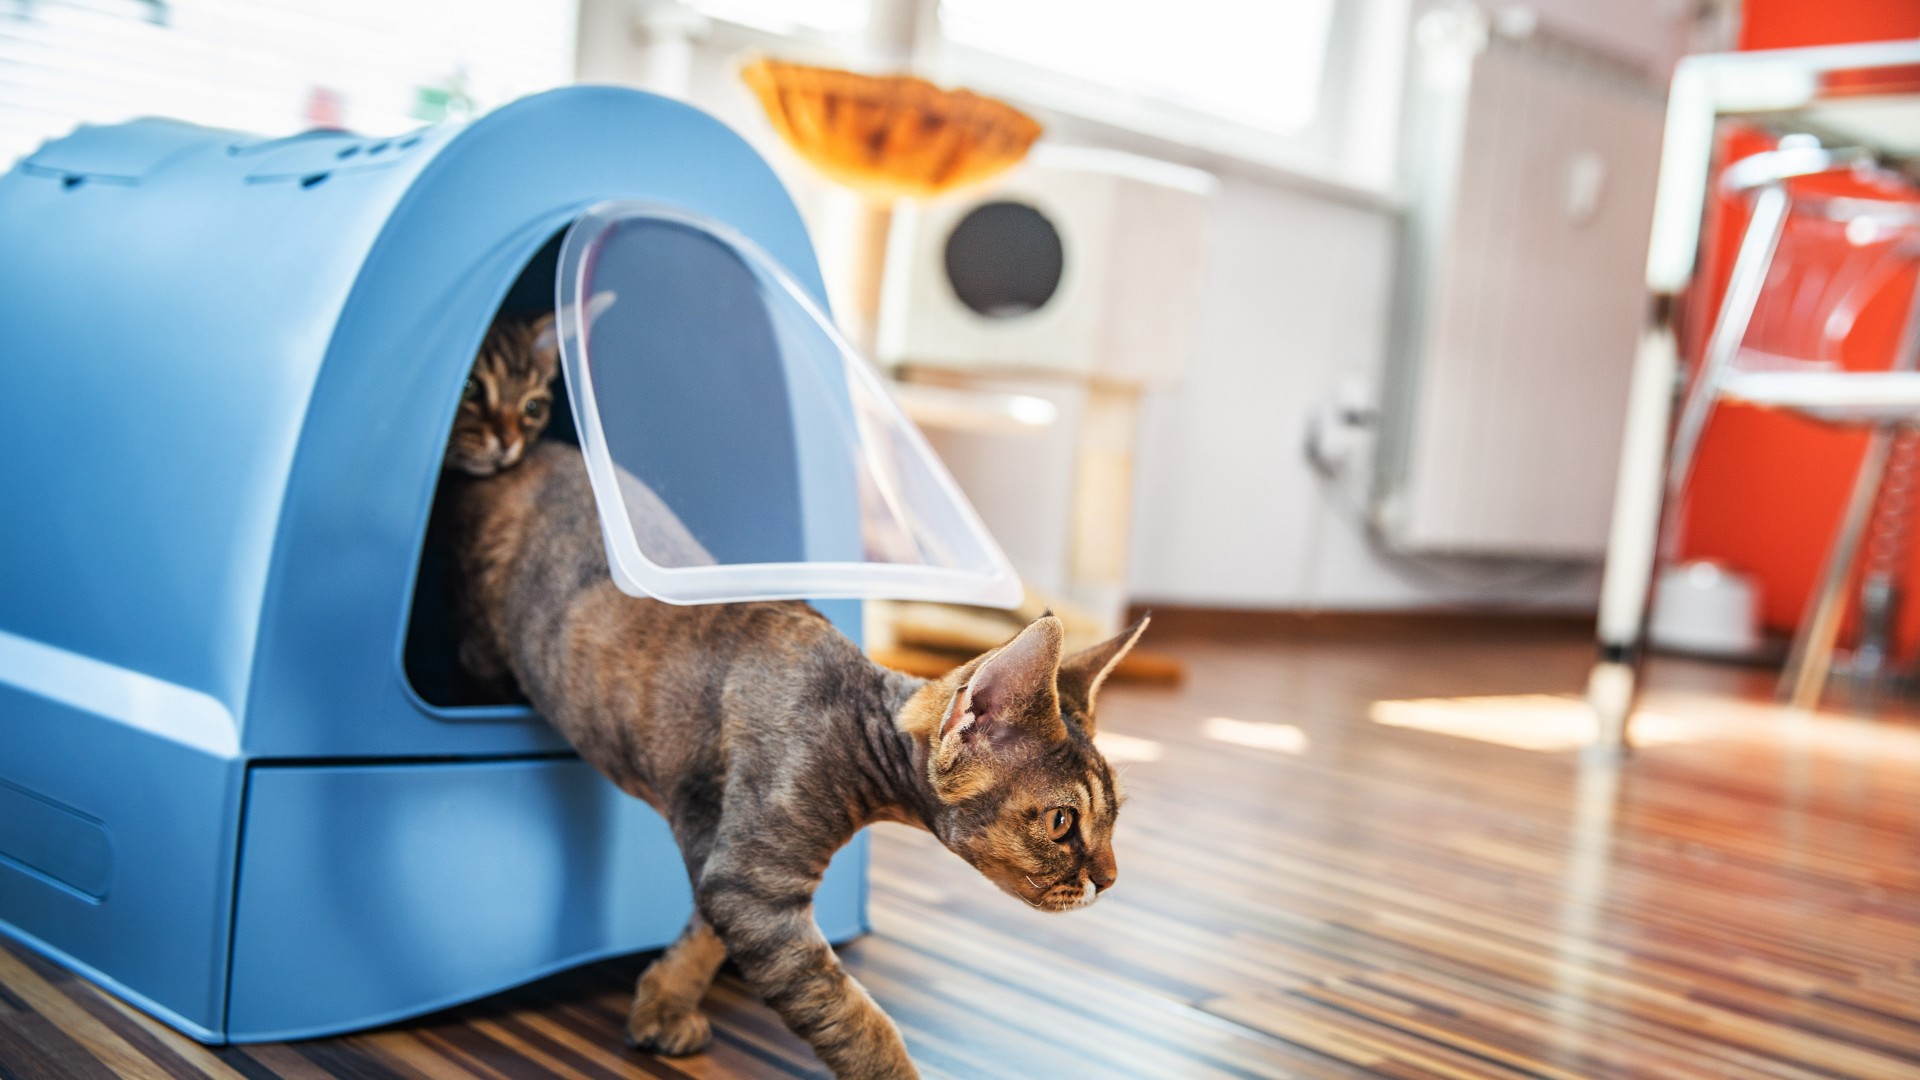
{"x": 347, "y": 153}
{"x": 313, "y": 181}
{"x": 378, "y": 147}
{"x": 410, "y": 142}
{"x": 72, "y": 182}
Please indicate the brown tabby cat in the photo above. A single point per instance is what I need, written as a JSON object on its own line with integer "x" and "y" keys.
{"x": 508, "y": 397}
{"x": 767, "y": 740}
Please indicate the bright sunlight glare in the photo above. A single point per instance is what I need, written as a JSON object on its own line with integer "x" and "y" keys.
{"x": 1278, "y": 738}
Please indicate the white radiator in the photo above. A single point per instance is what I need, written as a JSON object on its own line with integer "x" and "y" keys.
{"x": 1532, "y": 168}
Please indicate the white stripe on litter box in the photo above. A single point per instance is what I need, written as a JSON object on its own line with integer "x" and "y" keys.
{"x": 170, "y": 711}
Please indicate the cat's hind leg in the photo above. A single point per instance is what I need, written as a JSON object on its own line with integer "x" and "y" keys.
{"x": 666, "y": 1016}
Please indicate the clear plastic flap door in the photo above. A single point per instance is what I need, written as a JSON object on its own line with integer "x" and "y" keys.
{"x": 739, "y": 448}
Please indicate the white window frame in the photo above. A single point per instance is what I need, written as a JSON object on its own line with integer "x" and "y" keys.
{"x": 1330, "y": 148}
{"x": 1349, "y": 149}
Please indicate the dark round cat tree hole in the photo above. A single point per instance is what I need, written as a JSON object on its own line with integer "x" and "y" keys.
{"x": 1005, "y": 259}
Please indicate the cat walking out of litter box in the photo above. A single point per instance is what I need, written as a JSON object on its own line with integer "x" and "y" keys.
{"x": 767, "y": 740}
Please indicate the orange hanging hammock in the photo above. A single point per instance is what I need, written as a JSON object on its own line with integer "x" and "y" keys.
{"x": 890, "y": 136}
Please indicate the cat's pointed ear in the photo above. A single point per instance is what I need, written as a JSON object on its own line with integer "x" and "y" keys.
{"x": 1082, "y": 673}
{"x": 1012, "y": 689}
{"x": 546, "y": 343}
{"x": 546, "y": 330}
{"x": 597, "y": 305}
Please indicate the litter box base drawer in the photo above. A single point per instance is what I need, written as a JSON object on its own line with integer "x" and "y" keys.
{"x": 371, "y": 893}
{"x": 116, "y": 854}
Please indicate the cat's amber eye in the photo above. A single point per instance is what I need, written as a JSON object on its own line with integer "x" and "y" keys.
{"x": 535, "y": 408}
{"x": 471, "y": 391}
{"x": 1060, "y": 822}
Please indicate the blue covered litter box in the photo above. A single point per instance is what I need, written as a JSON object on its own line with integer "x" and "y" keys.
{"x": 238, "y": 784}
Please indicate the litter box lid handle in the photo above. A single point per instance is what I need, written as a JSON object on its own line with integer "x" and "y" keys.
{"x": 738, "y": 446}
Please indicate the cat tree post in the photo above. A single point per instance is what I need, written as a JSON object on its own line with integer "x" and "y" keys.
{"x": 894, "y": 31}
{"x": 1103, "y": 501}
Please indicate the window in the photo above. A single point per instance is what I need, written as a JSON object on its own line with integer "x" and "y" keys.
{"x": 1308, "y": 86}
{"x": 833, "y": 18}
{"x": 1255, "y": 63}
{"x": 271, "y": 66}
{"x": 1311, "y": 86}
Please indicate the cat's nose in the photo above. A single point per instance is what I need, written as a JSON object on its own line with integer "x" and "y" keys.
{"x": 513, "y": 452}
{"x": 1104, "y": 871}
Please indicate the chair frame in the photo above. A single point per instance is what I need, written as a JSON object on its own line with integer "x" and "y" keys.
{"x": 1777, "y": 88}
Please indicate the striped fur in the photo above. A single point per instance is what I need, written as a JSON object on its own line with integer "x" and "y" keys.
{"x": 767, "y": 740}
{"x": 508, "y": 398}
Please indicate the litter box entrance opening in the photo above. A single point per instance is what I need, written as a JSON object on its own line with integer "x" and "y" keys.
{"x": 737, "y": 447}
{"x": 431, "y": 657}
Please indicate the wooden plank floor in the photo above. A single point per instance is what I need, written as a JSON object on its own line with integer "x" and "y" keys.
{"x": 1307, "y": 892}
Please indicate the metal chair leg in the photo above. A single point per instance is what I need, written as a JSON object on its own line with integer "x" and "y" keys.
{"x": 1748, "y": 277}
{"x": 1652, "y": 479}
{"x": 1812, "y": 656}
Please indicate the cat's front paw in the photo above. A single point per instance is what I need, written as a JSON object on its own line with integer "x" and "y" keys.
{"x": 666, "y": 1028}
